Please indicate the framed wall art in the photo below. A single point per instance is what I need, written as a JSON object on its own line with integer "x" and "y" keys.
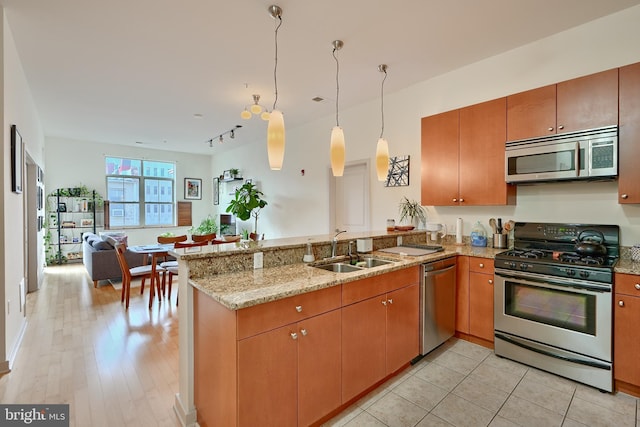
{"x": 216, "y": 191}
{"x": 398, "y": 174}
{"x": 16, "y": 160}
{"x": 192, "y": 188}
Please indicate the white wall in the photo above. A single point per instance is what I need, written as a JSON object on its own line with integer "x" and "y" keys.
{"x": 299, "y": 205}
{"x": 71, "y": 163}
{"x": 18, "y": 109}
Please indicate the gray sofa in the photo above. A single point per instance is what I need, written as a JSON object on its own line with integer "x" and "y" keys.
{"x": 99, "y": 258}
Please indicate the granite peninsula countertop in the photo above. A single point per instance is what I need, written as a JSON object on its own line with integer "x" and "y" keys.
{"x": 243, "y": 289}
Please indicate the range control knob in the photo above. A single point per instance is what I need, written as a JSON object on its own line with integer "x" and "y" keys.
{"x": 571, "y": 272}
{"x": 584, "y": 274}
{"x": 524, "y": 266}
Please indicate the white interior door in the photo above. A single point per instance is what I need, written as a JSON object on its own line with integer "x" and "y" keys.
{"x": 350, "y": 198}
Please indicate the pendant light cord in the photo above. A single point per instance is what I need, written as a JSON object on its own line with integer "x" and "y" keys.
{"x": 275, "y": 67}
{"x": 382, "y": 101}
{"x": 337, "y": 84}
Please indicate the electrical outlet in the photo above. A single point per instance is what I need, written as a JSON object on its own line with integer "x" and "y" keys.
{"x": 399, "y": 241}
{"x": 258, "y": 260}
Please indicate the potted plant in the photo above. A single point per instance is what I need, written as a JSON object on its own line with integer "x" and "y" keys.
{"x": 235, "y": 173}
{"x": 207, "y": 226}
{"x": 411, "y": 210}
{"x": 247, "y": 202}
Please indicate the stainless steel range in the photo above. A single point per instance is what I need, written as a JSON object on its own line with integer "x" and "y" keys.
{"x": 553, "y": 300}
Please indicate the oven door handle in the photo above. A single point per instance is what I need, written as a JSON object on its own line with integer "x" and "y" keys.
{"x": 554, "y": 355}
{"x": 552, "y": 280}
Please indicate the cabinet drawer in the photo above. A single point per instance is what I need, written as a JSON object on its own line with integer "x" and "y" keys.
{"x": 628, "y": 284}
{"x": 481, "y": 265}
{"x": 360, "y": 290}
{"x": 271, "y": 315}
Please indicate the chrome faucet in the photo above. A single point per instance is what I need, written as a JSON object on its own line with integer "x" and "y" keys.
{"x": 334, "y": 242}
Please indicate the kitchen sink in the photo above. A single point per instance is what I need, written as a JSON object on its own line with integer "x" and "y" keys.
{"x": 372, "y": 262}
{"x": 338, "y": 267}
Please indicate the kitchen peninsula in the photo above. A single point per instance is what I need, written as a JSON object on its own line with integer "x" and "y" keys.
{"x": 290, "y": 344}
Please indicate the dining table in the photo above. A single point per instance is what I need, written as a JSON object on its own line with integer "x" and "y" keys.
{"x": 156, "y": 251}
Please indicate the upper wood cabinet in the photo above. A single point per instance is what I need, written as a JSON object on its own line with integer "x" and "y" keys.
{"x": 629, "y": 135}
{"x": 463, "y": 157}
{"x": 583, "y": 103}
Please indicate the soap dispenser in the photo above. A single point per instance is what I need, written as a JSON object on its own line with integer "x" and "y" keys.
{"x": 308, "y": 256}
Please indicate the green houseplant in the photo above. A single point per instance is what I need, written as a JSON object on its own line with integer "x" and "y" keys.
{"x": 247, "y": 202}
{"x": 411, "y": 210}
{"x": 207, "y": 226}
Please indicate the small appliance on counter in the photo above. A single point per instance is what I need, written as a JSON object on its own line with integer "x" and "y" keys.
{"x": 436, "y": 233}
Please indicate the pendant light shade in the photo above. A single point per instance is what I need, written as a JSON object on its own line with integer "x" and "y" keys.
{"x": 382, "y": 159}
{"x": 337, "y": 150}
{"x": 382, "y": 149}
{"x": 275, "y": 140}
{"x": 337, "y": 147}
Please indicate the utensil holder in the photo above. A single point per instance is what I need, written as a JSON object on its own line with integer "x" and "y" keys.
{"x": 500, "y": 241}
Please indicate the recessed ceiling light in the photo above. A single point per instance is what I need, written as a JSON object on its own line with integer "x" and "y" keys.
{"x": 139, "y": 142}
{"x": 197, "y": 115}
{"x": 317, "y": 99}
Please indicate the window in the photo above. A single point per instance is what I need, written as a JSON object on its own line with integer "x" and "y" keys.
{"x": 140, "y": 192}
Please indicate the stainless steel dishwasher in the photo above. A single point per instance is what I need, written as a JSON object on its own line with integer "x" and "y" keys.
{"x": 437, "y": 303}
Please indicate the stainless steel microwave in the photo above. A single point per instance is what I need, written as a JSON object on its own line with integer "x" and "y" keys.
{"x": 590, "y": 154}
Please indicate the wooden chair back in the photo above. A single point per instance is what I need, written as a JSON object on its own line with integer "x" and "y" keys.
{"x": 165, "y": 240}
{"x": 203, "y": 237}
{"x": 177, "y": 245}
{"x": 122, "y": 261}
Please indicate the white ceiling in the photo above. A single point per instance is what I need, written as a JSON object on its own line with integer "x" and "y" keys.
{"x": 137, "y": 71}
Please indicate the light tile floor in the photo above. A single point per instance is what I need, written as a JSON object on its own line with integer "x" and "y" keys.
{"x": 463, "y": 384}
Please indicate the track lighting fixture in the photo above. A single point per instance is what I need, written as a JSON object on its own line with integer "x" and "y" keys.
{"x": 220, "y": 138}
{"x": 382, "y": 149}
{"x": 337, "y": 149}
{"x": 275, "y": 129}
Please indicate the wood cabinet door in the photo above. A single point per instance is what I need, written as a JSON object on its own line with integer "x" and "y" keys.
{"x": 629, "y": 135}
{"x": 403, "y": 327}
{"x": 588, "y": 102}
{"x": 482, "y": 155}
{"x": 531, "y": 113}
{"x": 319, "y": 366}
{"x": 462, "y": 294}
{"x": 363, "y": 345}
{"x": 267, "y": 379}
{"x": 439, "y": 159}
{"x": 626, "y": 339}
{"x": 481, "y": 305}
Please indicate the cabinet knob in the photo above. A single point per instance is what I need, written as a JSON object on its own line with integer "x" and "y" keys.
{"x": 481, "y": 265}
{"x": 455, "y": 200}
{"x": 303, "y": 332}
{"x": 561, "y": 127}
{"x": 621, "y": 303}
{"x": 461, "y": 200}
{"x": 637, "y": 286}
{"x": 384, "y": 303}
{"x": 491, "y": 281}
{"x": 294, "y": 335}
{"x": 550, "y": 129}
{"x": 299, "y": 308}
{"x": 624, "y": 196}
{"x": 390, "y": 300}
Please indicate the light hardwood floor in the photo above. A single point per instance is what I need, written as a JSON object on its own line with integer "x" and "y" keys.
{"x": 114, "y": 367}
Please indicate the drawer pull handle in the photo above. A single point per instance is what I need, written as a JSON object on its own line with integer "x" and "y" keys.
{"x": 294, "y": 335}
{"x": 637, "y": 286}
{"x": 303, "y": 332}
{"x": 299, "y": 308}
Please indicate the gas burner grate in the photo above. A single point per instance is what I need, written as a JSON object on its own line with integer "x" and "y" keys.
{"x": 572, "y": 258}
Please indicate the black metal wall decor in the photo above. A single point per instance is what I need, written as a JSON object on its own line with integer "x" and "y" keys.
{"x": 398, "y": 174}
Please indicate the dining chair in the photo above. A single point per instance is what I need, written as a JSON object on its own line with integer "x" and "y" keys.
{"x": 143, "y": 272}
{"x": 203, "y": 237}
{"x": 172, "y": 270}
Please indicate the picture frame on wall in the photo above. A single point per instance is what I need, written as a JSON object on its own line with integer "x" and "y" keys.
{"x": 16, "y": 160}
{"x": 216, "y": 191}
{"x": 193, "y": 188}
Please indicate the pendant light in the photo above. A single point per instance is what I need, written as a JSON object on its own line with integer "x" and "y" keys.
{"x": 255, "y": 109}
{"x": 382, "y": 149}
{"x": 337, "y": 149}
{"x": 275, "y": 128}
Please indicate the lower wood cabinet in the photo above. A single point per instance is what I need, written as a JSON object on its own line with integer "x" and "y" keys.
{"x": 481, "y": 298}
{"x": 626, "y": 336}
{"x": 291, "y": 375}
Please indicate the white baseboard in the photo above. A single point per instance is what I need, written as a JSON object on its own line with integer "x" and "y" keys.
{"x": 187, "y": 419}
{"x": 14, "y": 351}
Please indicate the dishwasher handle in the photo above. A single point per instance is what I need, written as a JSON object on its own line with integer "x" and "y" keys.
{"x": 438, "y": 272}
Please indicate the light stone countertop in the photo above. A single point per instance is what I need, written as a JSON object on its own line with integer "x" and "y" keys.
{"x": 247, "y": 288}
